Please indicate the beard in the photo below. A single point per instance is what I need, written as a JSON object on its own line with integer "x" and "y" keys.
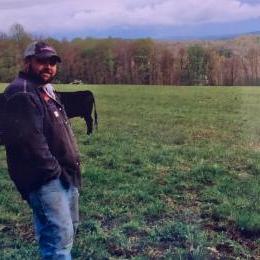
{"x": 43, "y": 76}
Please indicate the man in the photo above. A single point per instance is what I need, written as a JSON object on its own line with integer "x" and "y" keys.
{"x": 42, "y": 156}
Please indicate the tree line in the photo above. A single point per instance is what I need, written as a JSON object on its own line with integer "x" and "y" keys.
{"x": 142, "y": 61}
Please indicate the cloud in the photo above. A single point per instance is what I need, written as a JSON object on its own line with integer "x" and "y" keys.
{"x": 19, "y": 4}
{"x": 50, "y": 16}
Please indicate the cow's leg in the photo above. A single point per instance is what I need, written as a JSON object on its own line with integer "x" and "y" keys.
{"x": 89, "y": 124}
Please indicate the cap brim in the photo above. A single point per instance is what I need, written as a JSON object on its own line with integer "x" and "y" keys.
{"x": 47, "y": 55}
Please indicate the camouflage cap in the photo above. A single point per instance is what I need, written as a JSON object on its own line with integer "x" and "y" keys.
{"x": 41, "y": 50}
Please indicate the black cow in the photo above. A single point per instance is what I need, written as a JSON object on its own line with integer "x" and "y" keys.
{"x": 80, "y": 104}
{"x": 76, "y": 104}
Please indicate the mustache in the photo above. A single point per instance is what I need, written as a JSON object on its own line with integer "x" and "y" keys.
{"x": 46, "y": 71}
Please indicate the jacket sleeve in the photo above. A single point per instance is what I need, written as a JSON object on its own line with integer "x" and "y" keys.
{"x": 25, "y": 134}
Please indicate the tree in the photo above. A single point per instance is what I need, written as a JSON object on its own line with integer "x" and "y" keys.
{"x": 252, "y": 59}
{"x": 19, "y": 35}
{"x": 197, "y": 65}
{"x": 141, "y": 61}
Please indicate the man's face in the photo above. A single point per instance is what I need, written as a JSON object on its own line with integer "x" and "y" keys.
{"x": 44, "y": 70}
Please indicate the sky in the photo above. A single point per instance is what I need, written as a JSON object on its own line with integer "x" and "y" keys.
{"x": 160, "y": 19}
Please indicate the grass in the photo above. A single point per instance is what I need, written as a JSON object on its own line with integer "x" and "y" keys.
{"x": 173, "y": 172}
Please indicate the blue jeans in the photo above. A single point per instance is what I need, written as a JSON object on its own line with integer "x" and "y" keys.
{"x": 56, "y": 217}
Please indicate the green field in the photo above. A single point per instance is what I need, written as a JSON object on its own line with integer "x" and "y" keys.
{"x": 172, "y": 173}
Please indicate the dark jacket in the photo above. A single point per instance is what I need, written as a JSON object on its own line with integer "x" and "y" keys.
{"x": 40, "y": 144}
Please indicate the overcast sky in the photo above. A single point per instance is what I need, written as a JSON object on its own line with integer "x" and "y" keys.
{"x": 131, "y": 18}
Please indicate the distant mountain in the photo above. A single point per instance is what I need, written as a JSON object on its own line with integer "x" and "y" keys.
{"x": 218, "y": 37}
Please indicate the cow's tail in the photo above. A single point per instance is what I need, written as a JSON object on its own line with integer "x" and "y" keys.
{"x": 95, "y": 114}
